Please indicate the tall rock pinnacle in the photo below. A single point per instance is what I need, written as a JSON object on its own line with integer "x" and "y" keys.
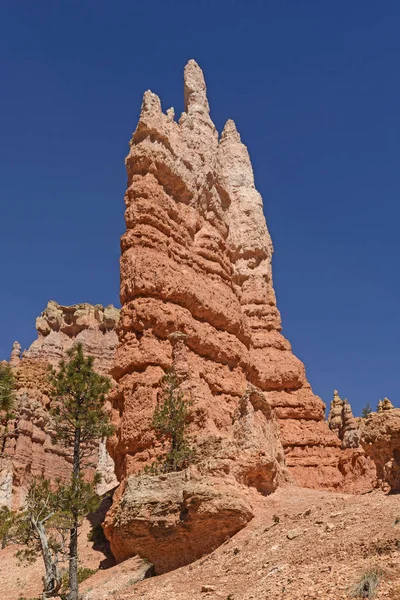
{"x": 195, "y": 91}
{"x": 196, "y": 266}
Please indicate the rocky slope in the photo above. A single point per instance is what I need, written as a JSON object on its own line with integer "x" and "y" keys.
{"x": 322, "y": 546}
{"x": 29, "y": 452}
{"x": 302, "y": 544}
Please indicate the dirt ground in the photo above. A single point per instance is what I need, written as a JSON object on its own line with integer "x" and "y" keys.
{"x": 301, "y": 545}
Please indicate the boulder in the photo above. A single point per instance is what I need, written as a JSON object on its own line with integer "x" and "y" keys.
{"x": 175, "y": 518}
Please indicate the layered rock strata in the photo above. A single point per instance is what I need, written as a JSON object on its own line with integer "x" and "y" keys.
{"x": 28, "y": 450}
{"x": 197, "y": 294}
{"x": 196, "y": 259}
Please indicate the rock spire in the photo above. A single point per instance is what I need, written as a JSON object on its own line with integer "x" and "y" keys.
{"x": 196, "y": 260}
{"x": 342, "y": 422}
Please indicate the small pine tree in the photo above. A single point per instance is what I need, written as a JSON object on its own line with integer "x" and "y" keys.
{"x": 44, "y": 525}
{"x": 42, "y": 528}
{"x": 7, "y": 389}
{"x": 170, "y": 421}
{"x": 78, "y": 394}
{"x": 7, "y": 401}
{"x": 366, "y": 411}
{"x": 7, "y": 521}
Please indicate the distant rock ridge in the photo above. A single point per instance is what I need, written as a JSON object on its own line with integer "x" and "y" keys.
{"x": 196, "y": 260}
{"x": 60, "y": 327}
{"x": 30, "y": 451}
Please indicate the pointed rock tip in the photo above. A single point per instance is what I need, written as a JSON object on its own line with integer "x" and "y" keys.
{"x": 151, "y": 102}
{"x": 230, "y": 132}
{"x": 194, "y": 86}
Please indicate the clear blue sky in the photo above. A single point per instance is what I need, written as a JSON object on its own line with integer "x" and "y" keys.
{"x": 314, "y": 88}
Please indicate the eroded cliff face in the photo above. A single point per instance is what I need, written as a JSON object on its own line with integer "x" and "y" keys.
{"x": 196, "y": 259}
{"x": 29, "y": 451}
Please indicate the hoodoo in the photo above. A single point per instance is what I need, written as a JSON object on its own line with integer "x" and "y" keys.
{"x": 196, "y": 261}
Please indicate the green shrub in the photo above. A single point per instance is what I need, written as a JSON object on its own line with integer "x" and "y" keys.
{"x": 366, "y": 411}
{"x": 83, "y": 574}
{"x": 96, "y": 535}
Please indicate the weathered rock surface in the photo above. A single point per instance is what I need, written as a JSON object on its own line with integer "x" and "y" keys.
{"x": 197, "y": 294}
{"x": 60, "y": 327}
{"x": 29, "y": 451}
{"x": 196, "y": 259}
{"x": 380, "y": 439}
{"x": 384, "y": 404}
{"x": 342, "y": 422}
{"x": 176, "y": 518}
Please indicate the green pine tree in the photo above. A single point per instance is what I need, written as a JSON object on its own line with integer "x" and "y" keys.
{"x": 78, "y": 395}
{"x": 42, "y": 529}
{"x": 366, "y": 411}
{"x": 7, "y": 517}
{"x": 7, "y": 400}
{"x": 43, "y": 526}
{"x": 170, "y": 421}
{"x": 7, "y": 389}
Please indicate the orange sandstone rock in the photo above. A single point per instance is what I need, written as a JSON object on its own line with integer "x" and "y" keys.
{"x": 196, "y": 258}
{"x": 171, "y": 520}
{"x": 197, "y": 294}
{"x": 380, "y": 439}
{"x": 28, "y": 450}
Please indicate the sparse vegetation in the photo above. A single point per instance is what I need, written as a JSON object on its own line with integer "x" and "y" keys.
{"x": 170, "y": 421}
{"x": 7, "y": 521}
{"x": 42, "y": 528}
{"x": 366, "y": 411}
{"x": 78, "y": 394}
{"x": 96, "y": 535}
{"x": 83, "y": 574}
{"x": 7, "y": 400}
{"x": 367, "y": 585}
{"x": 7, "y": 388}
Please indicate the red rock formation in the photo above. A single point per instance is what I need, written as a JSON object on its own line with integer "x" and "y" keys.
{"x": 342, "y": 422}
{"x": 30, "y": 452}
{"x": 197, "y": 294}
{"x": 196, "y": 258}
{"x": 380, "y": 439}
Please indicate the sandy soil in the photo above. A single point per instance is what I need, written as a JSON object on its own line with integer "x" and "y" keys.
{"x": 302, "y": 544}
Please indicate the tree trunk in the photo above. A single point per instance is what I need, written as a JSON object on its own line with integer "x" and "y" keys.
{"x": 73, "y": 540}
{"x": 73, "y": 563}
{"x": 52, "y": 578}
